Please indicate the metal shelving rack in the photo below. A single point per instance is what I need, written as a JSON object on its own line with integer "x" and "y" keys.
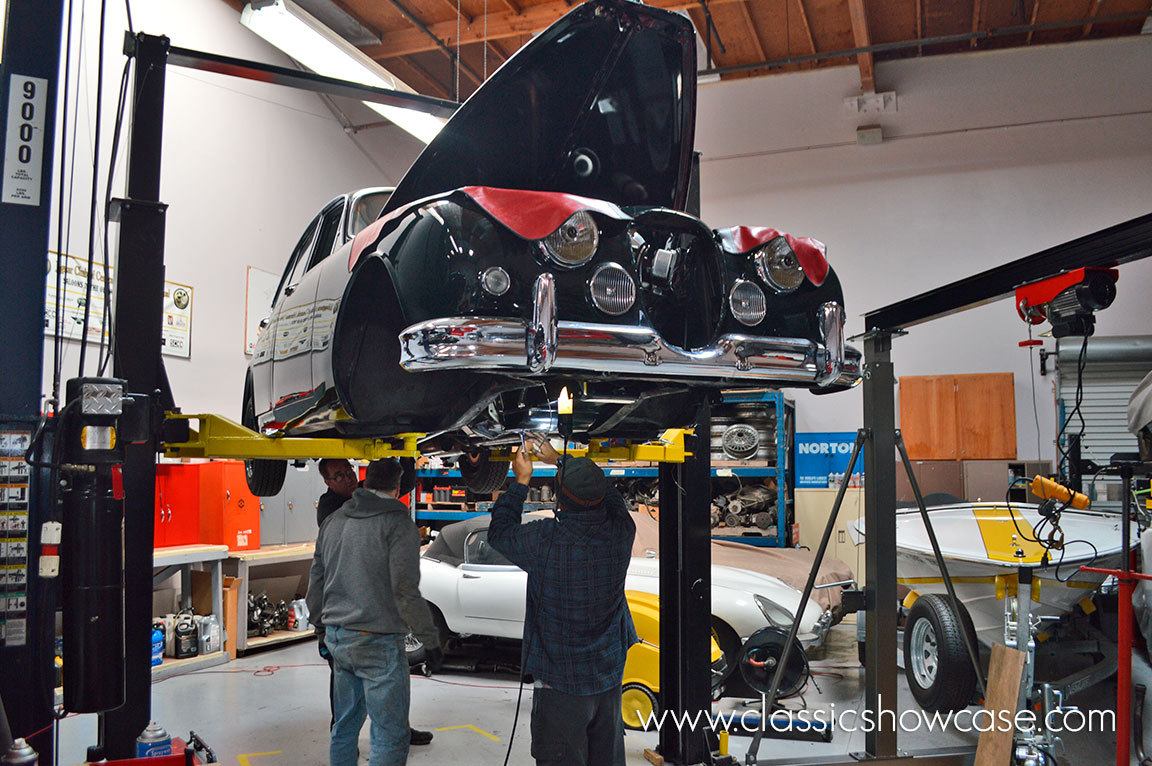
{"x": 784, "y": 471}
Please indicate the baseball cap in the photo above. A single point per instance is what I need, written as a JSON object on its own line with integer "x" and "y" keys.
{"x": 582, "y": 484}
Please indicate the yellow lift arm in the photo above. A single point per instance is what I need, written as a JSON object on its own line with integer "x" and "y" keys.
{"x": 219, "y": 437}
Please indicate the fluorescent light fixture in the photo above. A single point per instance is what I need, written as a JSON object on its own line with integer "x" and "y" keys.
{"x": 298, "y": 34}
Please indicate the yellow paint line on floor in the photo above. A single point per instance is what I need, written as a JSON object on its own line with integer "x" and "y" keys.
{"x": 245, "y": 756}
{"x": 473, "y": 728}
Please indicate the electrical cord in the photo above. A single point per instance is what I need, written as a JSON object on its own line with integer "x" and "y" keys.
{"x": 118, "y": 125}
{"x": 1079, "y": 398}
{"x": 557, "y": 480}
{"x": 1050, "y": 517}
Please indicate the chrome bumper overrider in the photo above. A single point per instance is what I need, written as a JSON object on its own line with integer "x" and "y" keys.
{"x": 545, "y": 345}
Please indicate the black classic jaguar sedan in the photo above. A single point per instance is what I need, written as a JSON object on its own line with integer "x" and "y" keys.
{"x": 539, "y": 242}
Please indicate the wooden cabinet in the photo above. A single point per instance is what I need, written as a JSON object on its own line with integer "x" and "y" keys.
{"x": 959, "y": 417}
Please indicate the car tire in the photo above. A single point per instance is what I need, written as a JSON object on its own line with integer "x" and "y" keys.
{"x": 480, "y": 474}
{"x": 639, "y": 706}
{"x": 265, "y": 477}
{"x": 730, "y": 645}
{"x": 414, "y": 647}
{"x": 936, "y": 660}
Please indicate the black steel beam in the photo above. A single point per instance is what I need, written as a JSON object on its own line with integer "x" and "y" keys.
{"x": 945, "y": 756}
{"x": 28, "y": 84}
{"x": 295, "y": 78}
{"x": 686, "y": 595}
{"x": 140, "y": 274}
{"x": 1116, "y": 245}
{"x": 879, "y": 540}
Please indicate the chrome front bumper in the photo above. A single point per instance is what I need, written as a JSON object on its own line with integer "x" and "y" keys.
{"x": 546, "y": 345}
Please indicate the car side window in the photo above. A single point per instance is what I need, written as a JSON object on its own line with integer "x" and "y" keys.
{"x": 329, "y": 230}
{"x": 478, "y": 551}
{"x": 295, "y": 268}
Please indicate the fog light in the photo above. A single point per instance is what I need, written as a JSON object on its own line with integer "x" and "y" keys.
{"x": 748, "y": 303}
{"x": 612, "y": 289}
{"x": 495, "y": 281}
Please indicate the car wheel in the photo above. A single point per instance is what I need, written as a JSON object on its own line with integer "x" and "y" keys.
{"x": 729, "y": 642}
{"x": 481, "y": 475}
{"x": 414, "y": 647}
{"x": 265, "y": 477}
{"x": 936, "y": 659}
{"x": 638, "y": 706}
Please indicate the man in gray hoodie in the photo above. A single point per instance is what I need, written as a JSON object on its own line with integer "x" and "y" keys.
{"x": 365, "y": 586}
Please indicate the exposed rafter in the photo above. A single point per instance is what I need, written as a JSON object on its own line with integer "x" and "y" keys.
{"x": 502, "y": 24}
{"x": 807, "y": 26}
{"x": 863, "y": 40}
{"x": 1032, "y": 21}
{"x": 1092, "y": 11}
{"x": 919, "y": 25}
{"x": 977, "y": 11}
{"x": 753, "y": 33}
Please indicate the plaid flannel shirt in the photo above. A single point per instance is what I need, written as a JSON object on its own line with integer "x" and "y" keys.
{"x": 577, "y": 627}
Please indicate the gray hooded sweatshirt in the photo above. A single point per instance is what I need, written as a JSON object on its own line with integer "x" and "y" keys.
{"x": 366, "y": 571}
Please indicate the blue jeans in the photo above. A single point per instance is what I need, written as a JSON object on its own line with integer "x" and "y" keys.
{"x": 371, "y": 678}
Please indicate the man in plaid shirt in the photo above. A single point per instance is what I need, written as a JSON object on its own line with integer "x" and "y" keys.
{"x": 577, "y": 627}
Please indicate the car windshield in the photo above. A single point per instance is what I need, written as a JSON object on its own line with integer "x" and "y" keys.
{"x": 365, "y": 210}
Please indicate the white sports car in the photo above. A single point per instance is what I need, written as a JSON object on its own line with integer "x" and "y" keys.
{"x": 474, "y": 590}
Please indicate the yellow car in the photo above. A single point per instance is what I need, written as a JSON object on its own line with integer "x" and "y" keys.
{"x": 640, "y": 691}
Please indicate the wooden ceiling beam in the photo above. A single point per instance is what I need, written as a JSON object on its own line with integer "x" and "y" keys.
{"x": 919, "y": 25}
{"x": 528, "y": 21}
{"x": 862, "y": 40}
{"x": 977, "y": 11}
{"x": 1032, "y": 21}
{"x": 436, "y": 86}
{"x": 747, "y": 16}
{"x": 807, "y": 26}
{"x": 1092, "y": 11}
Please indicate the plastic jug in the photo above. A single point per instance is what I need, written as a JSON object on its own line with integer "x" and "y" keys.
{"x": 209, "y": 634}
{"x": 300, "y": 615}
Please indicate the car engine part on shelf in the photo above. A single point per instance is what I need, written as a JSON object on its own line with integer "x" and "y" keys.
{"x": 262, "y": 615}
{"x": 745, "y": 431}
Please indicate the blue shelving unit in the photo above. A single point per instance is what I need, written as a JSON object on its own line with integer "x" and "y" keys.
{"x": 784, "y": 472}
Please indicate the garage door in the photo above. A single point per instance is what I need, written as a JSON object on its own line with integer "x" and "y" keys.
{"x": 1113, "y": 366}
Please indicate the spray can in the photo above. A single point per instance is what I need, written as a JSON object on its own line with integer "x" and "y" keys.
{"x": 154, "y": 740}
{"x": 20, "y": 754}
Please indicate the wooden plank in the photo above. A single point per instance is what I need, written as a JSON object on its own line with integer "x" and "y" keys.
{"x": 502, "y": 24}
{"x": 752, "y": 32}
{"x": 1004, "y": 673}
{"x": 653, "y": 757}
{"x": 928, "y": 416}
{"x": 986, "y": 416}
{"x": 860, "y": 34}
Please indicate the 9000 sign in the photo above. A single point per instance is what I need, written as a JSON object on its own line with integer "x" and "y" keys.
{"x": 24, "y": 142}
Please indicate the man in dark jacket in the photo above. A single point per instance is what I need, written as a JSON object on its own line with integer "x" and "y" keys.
{"x": 341, "y": 479}
{"x": 365, "y": 587}
{"x": 577, "y": 627}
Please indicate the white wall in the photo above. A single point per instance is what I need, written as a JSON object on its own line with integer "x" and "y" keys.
{"x": 245, "y": 166}
{"x": 990, "y": 157}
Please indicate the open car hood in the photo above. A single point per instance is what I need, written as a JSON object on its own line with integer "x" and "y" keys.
{"x": 601, "y": 104}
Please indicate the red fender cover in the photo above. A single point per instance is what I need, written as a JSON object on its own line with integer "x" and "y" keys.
{"x": 811, "y": 253}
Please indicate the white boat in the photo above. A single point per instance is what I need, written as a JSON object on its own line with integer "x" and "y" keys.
{"x": 984, "y": 548}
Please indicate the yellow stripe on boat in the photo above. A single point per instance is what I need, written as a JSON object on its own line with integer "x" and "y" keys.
{"x": 1003, "y": 537}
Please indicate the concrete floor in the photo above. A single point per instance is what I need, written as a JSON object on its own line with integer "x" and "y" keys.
{"x": 272, "y": 708}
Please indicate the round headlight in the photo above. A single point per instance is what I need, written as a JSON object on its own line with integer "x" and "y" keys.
{"x": 779, "y": 267}
{"x": 612, "y": 289}
{"x": 775, "y": 614}
{"x": 495, "y": 281}
{"x": 575, "y": 241}
{"x": 747, "y": 302}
